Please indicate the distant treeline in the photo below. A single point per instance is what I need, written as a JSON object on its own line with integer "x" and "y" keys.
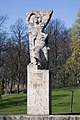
{"x": 64, "y": 55}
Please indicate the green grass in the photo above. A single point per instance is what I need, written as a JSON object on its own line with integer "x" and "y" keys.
{"x": 61, "y": 101}
{"x": 16, "y": 104}
{"x": 13, "y": 104}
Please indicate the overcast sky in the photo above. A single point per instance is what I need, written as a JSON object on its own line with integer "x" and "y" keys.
{"x": 66, "y": 10}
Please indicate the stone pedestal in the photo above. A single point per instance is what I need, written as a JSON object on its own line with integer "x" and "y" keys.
{"x": 37, "y": 91}
{"x": 50, "y": 117}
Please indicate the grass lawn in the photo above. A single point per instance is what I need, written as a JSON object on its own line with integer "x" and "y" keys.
{"x": 61, "y": 101}
{"x": 16, "y": 104}
{"x": 13, "y": 104}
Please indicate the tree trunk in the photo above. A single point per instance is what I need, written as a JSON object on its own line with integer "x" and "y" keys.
{"x": 18, "y": 89}
{"x": 11, "y": 87}
{"x": 71, "y": 101}
{"x": 2, "y": 86}
{"x": 0, "y": 96}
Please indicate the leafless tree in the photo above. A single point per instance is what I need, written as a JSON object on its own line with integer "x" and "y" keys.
{"x": 58, "y": 41}
{"x": 20, "y": 37}
{"x": 2, "y": 44}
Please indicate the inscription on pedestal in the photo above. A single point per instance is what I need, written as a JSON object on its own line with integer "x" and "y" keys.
{"x": 37, "y": 83}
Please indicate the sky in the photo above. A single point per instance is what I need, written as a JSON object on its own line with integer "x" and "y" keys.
{"x": 65, "y": 10}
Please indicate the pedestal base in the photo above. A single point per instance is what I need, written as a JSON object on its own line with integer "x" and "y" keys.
{"x": 51, "y": 117}
{"x": 37, "y": 91}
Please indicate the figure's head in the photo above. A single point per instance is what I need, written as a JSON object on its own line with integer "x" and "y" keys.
{"x": 34, "y": 18}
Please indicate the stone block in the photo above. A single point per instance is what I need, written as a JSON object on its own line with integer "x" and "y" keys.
{"x": 50, "y": 117}
{"x": 37, "y": 91}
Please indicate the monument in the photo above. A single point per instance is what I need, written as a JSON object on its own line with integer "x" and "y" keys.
{"x": 38, "y": 102}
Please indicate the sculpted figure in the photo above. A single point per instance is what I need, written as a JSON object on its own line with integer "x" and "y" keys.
{"x": 37, "y": 21}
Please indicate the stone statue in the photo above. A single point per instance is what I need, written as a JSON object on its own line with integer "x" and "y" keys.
{"x": 37, "y": 21}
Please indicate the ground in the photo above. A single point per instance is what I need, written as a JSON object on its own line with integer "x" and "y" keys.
{"x": 16, "y": 104}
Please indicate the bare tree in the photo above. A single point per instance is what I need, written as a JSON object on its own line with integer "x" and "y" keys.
{"x": 3, "y": 19}
{"x": 58, "y": 41}
{"x": 2, "y": 43}
{"x": 20, "y": 38}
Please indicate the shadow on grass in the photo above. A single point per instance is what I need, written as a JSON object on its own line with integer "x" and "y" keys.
{"x": 61, "y": 104}
{"x": 55, "y": 97}
{"x": 67, "y": 114}
{"x": 12, "y": 101}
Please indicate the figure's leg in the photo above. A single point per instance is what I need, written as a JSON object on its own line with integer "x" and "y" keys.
{"x": 37, "y": 55}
